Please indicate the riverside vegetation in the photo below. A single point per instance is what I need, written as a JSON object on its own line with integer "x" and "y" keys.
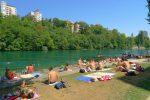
{"x": 23, "y": 33}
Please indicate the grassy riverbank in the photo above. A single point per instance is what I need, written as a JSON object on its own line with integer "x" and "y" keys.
{"x": 121, "y": 87}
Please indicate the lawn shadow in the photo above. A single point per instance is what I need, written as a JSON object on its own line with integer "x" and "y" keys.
{"x": 141, "y": 80}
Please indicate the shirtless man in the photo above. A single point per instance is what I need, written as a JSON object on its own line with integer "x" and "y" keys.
{"x": 126, "y": 64}
{"x": 52, "y": 76}
{"x": 123, "y": 65}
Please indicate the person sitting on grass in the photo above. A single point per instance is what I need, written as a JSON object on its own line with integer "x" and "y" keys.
{"x": 100, "y": 65}
{"x": 52, "y": 76}
{"x": 123, "y": 65}
{"x": 92, "y": 65}
{"x": 66, "y": 67}
{"x": 30, "y": 69}
{"x": 80, "y": 63}
{"x": 88, "y": 67}
{"x": 62, "y": 67}
{"x": 10, "y": 74}
{"x": 25, "y": 92}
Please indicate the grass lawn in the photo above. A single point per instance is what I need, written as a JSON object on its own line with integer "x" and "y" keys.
{"x": 121, "y": 87}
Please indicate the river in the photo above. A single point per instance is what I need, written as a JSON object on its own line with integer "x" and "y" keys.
{"x": 43, "y": 59}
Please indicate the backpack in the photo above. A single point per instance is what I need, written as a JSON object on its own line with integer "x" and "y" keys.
{"x": 59, "y": 85}
{"x": 82, "y": 71}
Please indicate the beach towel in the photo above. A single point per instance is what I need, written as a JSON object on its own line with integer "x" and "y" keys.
{"x": 104, "y": 69}
{"x": 36, "y": 74}
{"x": 27, "y": 76}
{"x": 85, "y": 79}
{"x": 105, "y": 78}
{"x": 102, "y": 74}
{"x": 53, "y": 84}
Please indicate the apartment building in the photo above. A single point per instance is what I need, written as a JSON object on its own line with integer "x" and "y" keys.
{"x": 36, "y": 14}
{"x": 7, "y": 10}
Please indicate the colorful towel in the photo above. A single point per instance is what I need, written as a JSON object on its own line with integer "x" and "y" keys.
{"x": 84, "y": 79}
{"x": 27, "y": 76}
{"x": 36, "y": 74}
{"x": 53, "y": 84}
{"x": 105, "y": 69}
{"x": 94, "y": 77}
{"x": 102, "y": 74}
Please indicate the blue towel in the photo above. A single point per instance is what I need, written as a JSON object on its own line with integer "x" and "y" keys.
{"x": 84, "y": 79}
{"x": 35, "y": 74}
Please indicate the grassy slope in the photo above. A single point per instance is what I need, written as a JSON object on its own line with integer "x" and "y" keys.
{"x": 140, "y": 85}
{"x": 121, "y": 87}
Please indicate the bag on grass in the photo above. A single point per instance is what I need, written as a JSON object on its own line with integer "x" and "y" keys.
{"x": 59, "y": 85}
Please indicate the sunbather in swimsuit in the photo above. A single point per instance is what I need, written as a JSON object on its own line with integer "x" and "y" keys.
{"x": 52, "y": 76}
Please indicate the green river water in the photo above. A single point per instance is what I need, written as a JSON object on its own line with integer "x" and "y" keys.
{"x": 43, "y": 59}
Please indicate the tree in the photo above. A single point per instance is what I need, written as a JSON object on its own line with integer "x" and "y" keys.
{"x": 22, "y": 33}
{"x": 142, "y": 38}
{"x": 148, "y": 6}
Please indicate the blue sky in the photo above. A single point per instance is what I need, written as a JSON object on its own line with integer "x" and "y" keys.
{"x": 127, "y": 16}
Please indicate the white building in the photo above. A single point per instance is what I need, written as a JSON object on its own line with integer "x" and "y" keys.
{"x": 36, "y": 14}
{"x": 76, "y": 27}
{"x": 7, "y": 10}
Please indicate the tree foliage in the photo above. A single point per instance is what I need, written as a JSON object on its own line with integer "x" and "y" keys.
{"x": 22, "y": 33}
